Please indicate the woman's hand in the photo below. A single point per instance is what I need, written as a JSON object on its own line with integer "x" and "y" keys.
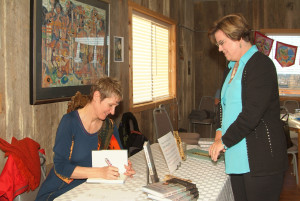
{"x": 129, "y": 170}
{"x": 109, "y": 172}
{"x": 218, "y": 135}
{"x": 215, "y": 149}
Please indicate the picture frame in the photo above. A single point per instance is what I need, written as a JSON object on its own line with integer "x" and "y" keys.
{"x": 118, "y": 49}
{"x": 69, "y": 47}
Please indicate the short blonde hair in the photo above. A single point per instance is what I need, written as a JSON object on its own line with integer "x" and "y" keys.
{"x": 234, "y": 26}
{"x": 108, "y": 87}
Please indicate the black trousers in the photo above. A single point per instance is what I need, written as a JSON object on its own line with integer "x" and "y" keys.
{"x": 263, "y": 188}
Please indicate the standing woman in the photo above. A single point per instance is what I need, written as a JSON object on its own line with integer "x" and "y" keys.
{"x": 80, "y": 132}
{"x": 250, "y": 131}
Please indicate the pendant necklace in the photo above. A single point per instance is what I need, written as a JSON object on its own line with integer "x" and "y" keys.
{"x": 236, "y": 65}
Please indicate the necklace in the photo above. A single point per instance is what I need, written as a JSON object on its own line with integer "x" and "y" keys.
{"x": 236, "y": 65}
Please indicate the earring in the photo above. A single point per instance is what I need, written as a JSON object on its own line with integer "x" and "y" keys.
{"x": 240, "y": 45}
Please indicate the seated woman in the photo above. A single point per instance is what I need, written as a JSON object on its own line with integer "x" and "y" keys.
{"x": 79, "y": 132}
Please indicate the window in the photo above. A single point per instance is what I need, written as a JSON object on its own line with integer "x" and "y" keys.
{"x": 152, "y": 60}
{"x": 288, "y": 77}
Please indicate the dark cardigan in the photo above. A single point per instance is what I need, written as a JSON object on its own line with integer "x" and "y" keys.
{"x": 259, "y": 120}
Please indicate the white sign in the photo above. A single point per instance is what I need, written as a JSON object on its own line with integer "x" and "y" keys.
{"x": 170, "y": 151}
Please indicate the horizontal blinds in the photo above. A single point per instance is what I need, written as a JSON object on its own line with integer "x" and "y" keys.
{"x": 150, "y": 60}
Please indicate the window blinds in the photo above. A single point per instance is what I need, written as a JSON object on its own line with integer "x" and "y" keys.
{"x": 150, "y": 55}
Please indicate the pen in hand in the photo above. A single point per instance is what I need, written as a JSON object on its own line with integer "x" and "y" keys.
{"x": 108, "y": 162}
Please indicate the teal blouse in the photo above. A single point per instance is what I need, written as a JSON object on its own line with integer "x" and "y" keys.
{"x": 236, "y": 157}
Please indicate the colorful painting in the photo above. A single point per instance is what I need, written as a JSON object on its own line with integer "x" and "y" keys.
{"x": 71, "y": 46}
{"x": 264, "y": 44}
{"x": 285, "y": 54}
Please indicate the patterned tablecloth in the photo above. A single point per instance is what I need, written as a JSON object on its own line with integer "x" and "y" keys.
{"x": 212, "y": 182}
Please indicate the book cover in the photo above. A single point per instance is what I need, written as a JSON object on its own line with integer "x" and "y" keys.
{"x": 116, "y": 158}
{"x": 201, "y": 154}
{"x": 150, "y": 162}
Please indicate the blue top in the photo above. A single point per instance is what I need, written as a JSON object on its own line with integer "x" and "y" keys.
{"x": 236, "y": 157}
{"x": 70, "y": 128}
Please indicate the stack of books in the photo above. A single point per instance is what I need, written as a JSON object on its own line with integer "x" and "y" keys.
{"x": 172, "y": 189}
{"x": 206, "y": 142}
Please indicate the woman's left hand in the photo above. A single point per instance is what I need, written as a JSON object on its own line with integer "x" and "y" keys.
{"x": 129, "y": 170}
{"x": 215, "y": 149}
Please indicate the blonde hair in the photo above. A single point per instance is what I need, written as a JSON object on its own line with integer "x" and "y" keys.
{"x": 234, "y": 26}
{"x": 107, "y": 87}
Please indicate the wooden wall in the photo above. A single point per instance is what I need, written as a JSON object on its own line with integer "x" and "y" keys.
{"x": 19, "y": 119}
{"x": 261, "y": 14}
{"x": 199, "y": 67}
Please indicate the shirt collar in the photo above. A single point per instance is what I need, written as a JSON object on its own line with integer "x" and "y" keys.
{"x": 244, "y": 59}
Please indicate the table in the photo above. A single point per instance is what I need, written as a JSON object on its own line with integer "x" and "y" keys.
{"x": 297, "y": 130}
{"x": 210, "y": 178}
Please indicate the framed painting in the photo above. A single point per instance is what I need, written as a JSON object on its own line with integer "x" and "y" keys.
{"x": 118, "y": 49}
{"x": 69, "y": 47}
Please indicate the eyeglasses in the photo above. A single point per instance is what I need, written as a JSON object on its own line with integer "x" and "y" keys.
{"x": 220, "y": 43}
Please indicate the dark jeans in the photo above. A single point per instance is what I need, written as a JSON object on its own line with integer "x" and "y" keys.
{"x": 250, "y": 188}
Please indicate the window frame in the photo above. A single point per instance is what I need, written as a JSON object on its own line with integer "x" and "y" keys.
{"x": 283, "y": 31}
{"x": 172, "y": 58}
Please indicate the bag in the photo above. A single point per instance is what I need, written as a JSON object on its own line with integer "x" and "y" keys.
{"x": 131, "y": 137}
{"x": 286, "y": 129}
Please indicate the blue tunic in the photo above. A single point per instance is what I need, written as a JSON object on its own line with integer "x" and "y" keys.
{"x": 236, "y": 157}
{"x": 69, "y": 129}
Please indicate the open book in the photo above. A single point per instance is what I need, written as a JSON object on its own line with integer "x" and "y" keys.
{"x": 116, "y": 158}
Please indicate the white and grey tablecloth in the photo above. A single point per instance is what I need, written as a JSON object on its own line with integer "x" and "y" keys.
{"x": 210, "y": 178}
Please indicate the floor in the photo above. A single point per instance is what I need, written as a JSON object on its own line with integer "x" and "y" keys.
{"x": 290, "y": 192}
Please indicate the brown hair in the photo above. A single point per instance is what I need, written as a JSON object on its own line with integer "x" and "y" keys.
{"x": 107, "y": 87}
{"x": 234, "y": 26}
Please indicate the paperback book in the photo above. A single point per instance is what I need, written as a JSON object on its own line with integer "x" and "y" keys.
{"x": 117, "y": 158}
{"x": 150, "y": 162}
{"x": 201, "y": 154}
{"x": 172, "y": 189}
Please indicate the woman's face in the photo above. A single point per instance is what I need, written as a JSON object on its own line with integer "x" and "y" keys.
{"x": 230, "y": 48}
{"x": 106, "y": 106}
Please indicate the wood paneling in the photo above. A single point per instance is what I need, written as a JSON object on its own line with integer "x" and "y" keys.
{"x": 261, "y": 14}
{"x": 20, "y": 119}
{"x": 199, "y": 71}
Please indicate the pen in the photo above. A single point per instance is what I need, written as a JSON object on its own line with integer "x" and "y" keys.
{"x": 108, "y": 162}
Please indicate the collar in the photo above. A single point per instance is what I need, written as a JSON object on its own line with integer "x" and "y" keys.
{"x": 244, "y": 59}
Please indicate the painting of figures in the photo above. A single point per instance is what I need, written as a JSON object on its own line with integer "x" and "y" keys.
{"x": 71, "y": 38}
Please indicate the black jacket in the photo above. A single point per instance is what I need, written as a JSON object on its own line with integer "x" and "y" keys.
{"x": 259, "y": 120}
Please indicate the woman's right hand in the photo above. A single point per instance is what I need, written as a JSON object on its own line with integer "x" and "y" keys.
{"x": 218, "y": 135}
{"x": 109, "y": 172}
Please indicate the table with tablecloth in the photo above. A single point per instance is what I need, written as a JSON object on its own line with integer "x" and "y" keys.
{"x": 212, "y": 182}
{"x": 294, "y": 124}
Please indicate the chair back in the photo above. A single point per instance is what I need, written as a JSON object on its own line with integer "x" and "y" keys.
{"x": 291, "y": 105}
{"x": 162, "y": 122}
{"x": 207, "y": 103}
